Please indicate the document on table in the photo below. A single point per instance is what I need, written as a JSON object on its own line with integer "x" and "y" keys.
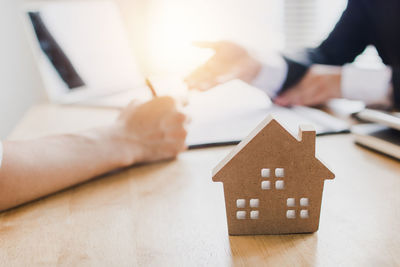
{"x": 227, "y": 113}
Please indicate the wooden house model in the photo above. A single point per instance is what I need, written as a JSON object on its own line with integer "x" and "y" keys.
{"x": 273, "y": 182}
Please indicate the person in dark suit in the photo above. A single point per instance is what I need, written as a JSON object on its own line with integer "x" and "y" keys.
{"x": 313, "y": 76}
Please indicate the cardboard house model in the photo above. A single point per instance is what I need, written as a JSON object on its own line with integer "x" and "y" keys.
{"x": 273, "y": 182}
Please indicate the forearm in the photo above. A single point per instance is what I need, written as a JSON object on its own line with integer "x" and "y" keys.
{"x": 144, "y": 132}
{"x": 32, "y": 169}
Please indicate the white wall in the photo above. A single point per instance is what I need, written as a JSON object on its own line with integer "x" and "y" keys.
{"x": 19, "y": 82}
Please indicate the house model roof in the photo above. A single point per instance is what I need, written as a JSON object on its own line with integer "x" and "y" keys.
{"x": 270, "y": 124}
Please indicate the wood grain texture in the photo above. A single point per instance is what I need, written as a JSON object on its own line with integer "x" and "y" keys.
{"x": 172, "y": 214}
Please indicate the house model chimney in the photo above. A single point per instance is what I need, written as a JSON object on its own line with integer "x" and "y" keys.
{"x": 307, "y": 135}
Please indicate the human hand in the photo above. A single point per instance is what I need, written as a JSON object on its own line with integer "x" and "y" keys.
{"x": 151, "y": 131}
{"x": 320, "y": 84}
{"x": 229, "y": 62}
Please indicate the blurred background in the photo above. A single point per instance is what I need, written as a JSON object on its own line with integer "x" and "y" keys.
{"x": 161, "y": 32}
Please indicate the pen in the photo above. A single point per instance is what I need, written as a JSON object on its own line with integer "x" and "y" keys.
{"x": 153, "y": 92}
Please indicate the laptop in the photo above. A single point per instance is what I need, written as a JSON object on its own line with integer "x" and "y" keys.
{"x": 381, "y": 134}
{"x": 83, "y": 54}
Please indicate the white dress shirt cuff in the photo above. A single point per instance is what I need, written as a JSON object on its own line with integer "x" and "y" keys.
{"x": 369, "y": 85}
{"x": 272, "y": 75}
{"x": 1, "y": 153}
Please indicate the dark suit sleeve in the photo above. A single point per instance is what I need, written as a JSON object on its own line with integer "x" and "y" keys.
{"x": 396, "y": 87}
{"x": 347, "y": 40}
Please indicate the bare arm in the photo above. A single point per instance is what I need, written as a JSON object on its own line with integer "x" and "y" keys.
{"x": 31, "y": 169}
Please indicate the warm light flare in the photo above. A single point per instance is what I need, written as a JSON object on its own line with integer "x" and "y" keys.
{"x": 174, "y": 25}
{"x": 172, "y": 32}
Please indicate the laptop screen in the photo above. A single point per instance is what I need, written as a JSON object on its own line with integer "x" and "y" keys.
{"x": 54, "y": 53}
{"x": 85, "y": 45}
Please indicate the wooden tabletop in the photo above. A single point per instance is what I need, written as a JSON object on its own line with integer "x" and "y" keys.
{"x": 172, "y": 214}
